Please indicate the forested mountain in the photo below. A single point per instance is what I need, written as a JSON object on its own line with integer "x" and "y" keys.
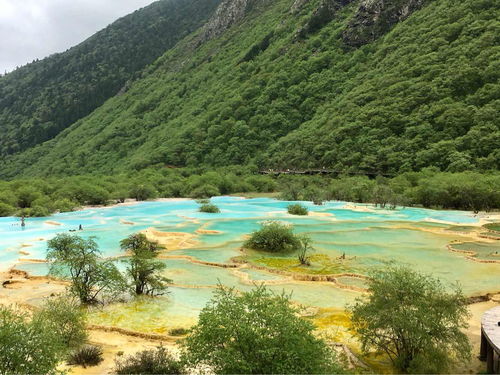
{"x": 356, "y": 85}
{"x": 40, "y": 99}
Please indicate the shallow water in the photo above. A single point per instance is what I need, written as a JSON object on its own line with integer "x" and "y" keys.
{"x": 411, "y": 236}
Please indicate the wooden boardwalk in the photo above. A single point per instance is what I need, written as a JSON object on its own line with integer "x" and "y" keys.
{"x": 322, "y": 171}
{"x": 490, "y": 340}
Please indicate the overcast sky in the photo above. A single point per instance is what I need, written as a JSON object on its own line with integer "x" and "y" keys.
{"x": 31, "y": 29}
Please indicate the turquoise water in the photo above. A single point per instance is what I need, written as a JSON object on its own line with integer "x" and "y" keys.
{"x": 369, "y": 239}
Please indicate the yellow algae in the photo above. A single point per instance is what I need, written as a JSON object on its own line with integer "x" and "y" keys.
{"x": 321, "y": 264}
{"x": 171, "y": 240}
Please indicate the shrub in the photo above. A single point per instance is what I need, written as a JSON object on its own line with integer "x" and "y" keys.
{"x": 27, "y": 346}
{"x": 88, "y": 355}
{"x": 153, "y": 361}
{"x": 414, "y": 319}
{"x": 143, "y": 192}
{"x": 273, "y": 237}
{"x": 297, "y": 209}
{"x": 205, "y": 191}
{"x": 209, "y": 208}
{"x": 66, "y": 319}
{"x": 256, "y": 332}
{"x": 178, "y": 331}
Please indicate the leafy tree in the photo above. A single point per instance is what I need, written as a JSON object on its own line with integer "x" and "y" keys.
{"x": 143, "y": 269}
{"x": 255, "y": 332}
{"x": 27, "y": 346}
{"x": 413, "y": 319}
{"x": 79, "y": 260}
{"x": 274, "y": 237}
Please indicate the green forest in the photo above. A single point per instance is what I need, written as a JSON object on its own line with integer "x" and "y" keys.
{"x": 273, "y": 92}
{"x": 39, "y": 100}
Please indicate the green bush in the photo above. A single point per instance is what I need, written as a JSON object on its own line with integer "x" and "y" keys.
{"x": 274, "y": 237}
{"x": 209, "y": 208}
{"x": 27, "y": 346}
{"x": 64, "y": 316}
{"x": 297, "y": 209}
{"x": 256, "y": 332}
{"x": 6, "y": 209}
{"x": 88, "y": 355}
{"x": 205, "y": 191}
{"x": 413, "y": 318}
{"x": 178, "y": 331}
{"x": 152, "y": 361}
{"x": 142, "y": 192}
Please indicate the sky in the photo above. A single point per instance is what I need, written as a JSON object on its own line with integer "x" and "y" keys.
{"x": 31, "y": 29}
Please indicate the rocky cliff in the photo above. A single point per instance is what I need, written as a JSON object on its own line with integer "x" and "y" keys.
{"x": 228, "y": 13}
{"x": 374, "y": 18}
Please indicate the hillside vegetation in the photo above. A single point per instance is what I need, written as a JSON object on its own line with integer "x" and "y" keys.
{"x": 273, "y": 91}
{"x": 43, "y": 98}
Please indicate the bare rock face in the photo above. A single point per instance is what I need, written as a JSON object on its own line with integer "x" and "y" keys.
{"x": 297, "y": 6}
{"x": 374, "y": 18}
{"x": 227, "y": 14}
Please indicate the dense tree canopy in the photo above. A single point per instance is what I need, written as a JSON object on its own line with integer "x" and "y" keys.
{"x": 39, "y": 100}
{"x": 425, "y": 93}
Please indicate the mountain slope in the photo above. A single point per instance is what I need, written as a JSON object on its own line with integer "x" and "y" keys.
{"x": 284, "y": 87}
{"x": 40, "y": 99}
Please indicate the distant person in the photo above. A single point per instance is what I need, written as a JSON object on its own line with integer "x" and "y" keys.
{"x": 23, "y": 223}
{"x": 80, "y": 227}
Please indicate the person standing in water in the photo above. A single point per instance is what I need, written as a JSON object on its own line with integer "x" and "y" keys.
{"x": 23, "y": 223}
{"x": 80, "y": 227}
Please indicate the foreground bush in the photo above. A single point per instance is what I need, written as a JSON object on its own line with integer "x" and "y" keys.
{"x": 64, "y": 316}
{"x": 27, "y": 346}
{"x": 153, "y": 361}
{"x": 209, "y": 208}
{"x": 255, "y": 332}
{"x": 297, "y": 209}
{"x": 273, "y": 237}
{"x": 88, "y": 355}
{"x": 415, "y": 320}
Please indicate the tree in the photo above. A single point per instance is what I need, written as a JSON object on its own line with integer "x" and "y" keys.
{"x": 414, "y": 319}
{"x": 79, "y": 259}
{"x": 255, "y": 332}
{"x": 27, "y": 346}
{"x": 304, "y": 250}
{"x": 142, "y": 268}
